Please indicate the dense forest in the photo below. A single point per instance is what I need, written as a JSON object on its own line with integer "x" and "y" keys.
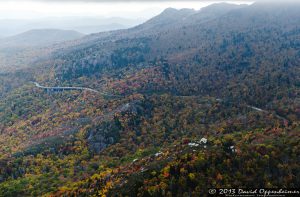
{"x": 197, "y": 100}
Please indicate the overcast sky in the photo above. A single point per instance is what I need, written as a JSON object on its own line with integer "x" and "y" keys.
{"x": 24, "y": 9}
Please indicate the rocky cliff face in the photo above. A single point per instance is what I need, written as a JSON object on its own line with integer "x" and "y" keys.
{"x": 108, "y": 132}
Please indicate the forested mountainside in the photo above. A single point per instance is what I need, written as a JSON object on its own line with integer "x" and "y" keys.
{"x": 197, "y": 100}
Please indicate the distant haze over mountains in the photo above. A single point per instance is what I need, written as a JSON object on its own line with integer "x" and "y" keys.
{"x": 39, "y": 37}
{"x": 85, "y": 25}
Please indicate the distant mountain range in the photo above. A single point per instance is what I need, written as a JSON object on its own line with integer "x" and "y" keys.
{"x": 23, "y": 49}
{"x": 39, "y": 38}
{"x": 86, "y": 25}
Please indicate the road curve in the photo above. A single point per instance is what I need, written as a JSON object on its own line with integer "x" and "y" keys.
{"x": 57, "y": 88}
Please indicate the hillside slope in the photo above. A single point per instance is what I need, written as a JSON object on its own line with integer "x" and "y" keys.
{"x": 217, "y": 56}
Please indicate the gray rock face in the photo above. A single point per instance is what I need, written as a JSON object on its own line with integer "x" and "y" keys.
{"x": 103, "y": 135}
{"x": 108, "y": 132}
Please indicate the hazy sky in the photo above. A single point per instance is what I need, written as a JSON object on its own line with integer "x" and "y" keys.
{"x": 24, "y": 9}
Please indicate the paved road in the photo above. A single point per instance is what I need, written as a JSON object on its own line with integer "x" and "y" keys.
{"x": 57, "y": 88}
{"x": 259, "y": 109}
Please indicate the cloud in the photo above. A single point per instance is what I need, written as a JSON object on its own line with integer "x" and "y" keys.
{"x": 18, "y": 9}
{"x": 112, "y": 1}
